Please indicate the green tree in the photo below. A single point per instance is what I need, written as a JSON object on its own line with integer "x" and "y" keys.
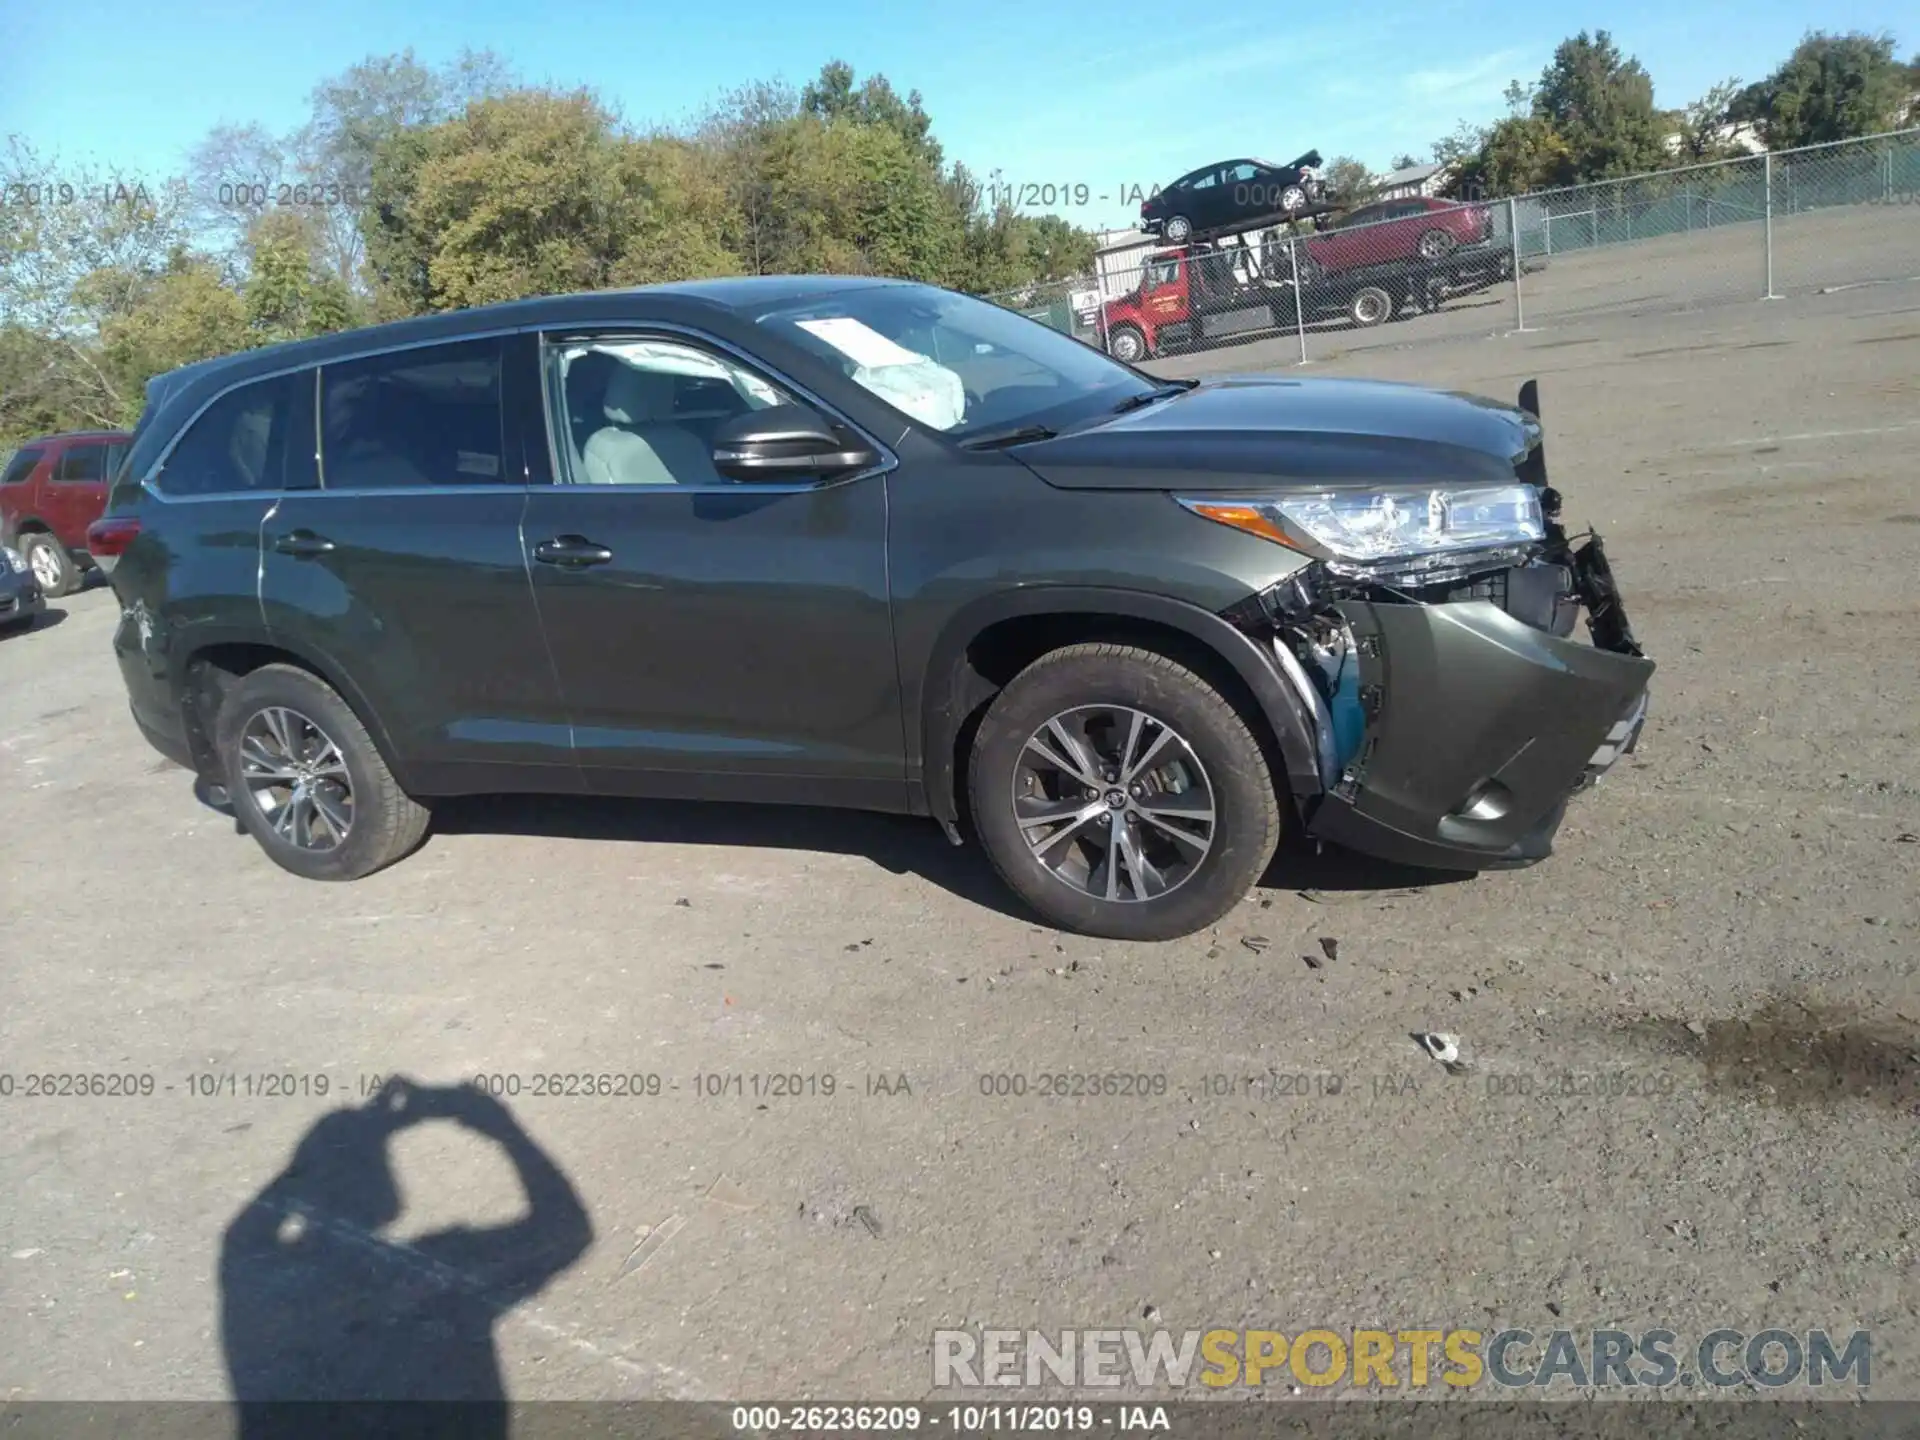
{"x": 1703, "y": 124}
{"x": 832, "y": 95}
{"x": 1832, "y": 87}
{"x": 1600, "y": 103}
{"x": 1349, "y": 181}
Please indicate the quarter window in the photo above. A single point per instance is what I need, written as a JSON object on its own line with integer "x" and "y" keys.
{"x": 247, "y": 440}
{"x": 415, "y": 418}
{"x": 20, "y": 466}
{"x": 643, "y": 411}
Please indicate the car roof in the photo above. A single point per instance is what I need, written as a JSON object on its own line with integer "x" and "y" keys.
{"x": 66, "y": 436}
{"x": 738, "y": 295}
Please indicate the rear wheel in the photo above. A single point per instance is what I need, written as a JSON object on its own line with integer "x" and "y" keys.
{"x": 1291, "y": 199}
{"x": 306, "y": 780}
{"x": 1120, "y": 795}
{"x": 1370, "y": 306}
{"x": 1178, "y": 229}
{"x": 52, "y": 566}
{"x": 1437, "y": 243}
{"x": 1126, "y": 344}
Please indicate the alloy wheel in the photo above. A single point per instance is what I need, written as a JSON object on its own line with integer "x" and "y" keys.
{"x": 1114, "y": 802}
{"x": 296, "y": 774}
{"x": 46, "y": 566}
{"x": 1434, "y": 244}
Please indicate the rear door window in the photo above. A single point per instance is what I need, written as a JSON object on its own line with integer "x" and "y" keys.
{"x": 83, "y": 463}
{"x": 252, "y": 439}
{"x": 415, "y": 418}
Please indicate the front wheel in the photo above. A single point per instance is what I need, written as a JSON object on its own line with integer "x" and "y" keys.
{"x": 1126, "y": 344}
{"x": 1370, "y": 306}
{"x": 306, "y": 780}
{"x": 1120, "y": 795}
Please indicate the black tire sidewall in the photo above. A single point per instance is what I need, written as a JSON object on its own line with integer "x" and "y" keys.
{"x": 320, "y": 703}
{"x": 1246, "y": 831}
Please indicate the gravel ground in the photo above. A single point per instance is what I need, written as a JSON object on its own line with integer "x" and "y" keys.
{"x": 1749, "y": 872}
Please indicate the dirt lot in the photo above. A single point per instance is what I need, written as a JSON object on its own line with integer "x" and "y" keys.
{"x": 1752, "y": 871}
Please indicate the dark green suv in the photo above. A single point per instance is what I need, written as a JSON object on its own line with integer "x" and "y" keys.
{"x": 867, "y": 544}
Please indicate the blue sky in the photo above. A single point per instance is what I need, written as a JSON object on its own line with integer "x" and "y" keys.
{"x": 1112, "y": 96}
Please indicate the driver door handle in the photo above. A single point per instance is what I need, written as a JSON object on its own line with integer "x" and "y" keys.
{"x": 303, "y": 543}
{"x": 572, "y": 551}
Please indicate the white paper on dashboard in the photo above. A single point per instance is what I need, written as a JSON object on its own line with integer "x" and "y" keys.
{"x": 861, "y": 343}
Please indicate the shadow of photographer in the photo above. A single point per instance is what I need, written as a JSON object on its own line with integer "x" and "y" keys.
{"x": 319, "y": 1305}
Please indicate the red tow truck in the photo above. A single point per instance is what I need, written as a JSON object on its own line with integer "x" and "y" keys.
{"x": 1191, "y": 294}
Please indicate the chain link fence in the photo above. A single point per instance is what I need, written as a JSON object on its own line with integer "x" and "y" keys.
{"x": 1814, "y": 220}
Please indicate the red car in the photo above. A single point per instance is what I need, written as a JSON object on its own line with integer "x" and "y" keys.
{"x": 1414, "y": 228}
{"x": 51, "y": 490}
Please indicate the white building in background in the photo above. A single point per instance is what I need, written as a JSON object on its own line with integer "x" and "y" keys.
{"x": 1415, "y": 181}
{"x": 1743, "y": 137}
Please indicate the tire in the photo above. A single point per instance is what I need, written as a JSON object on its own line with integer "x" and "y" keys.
{"x": 52, "y": 566}
{"x": 1177, "y": 230}
{"x": 1291, "y": 199}
{"x": 1126, "y": 344}
{"x": 1370, "y": 306}
{"x": 1215, "y": 754}
{"x": 384, "y": 823}
{"x": 1309, "y": 270}
{"x": 1437, "y": 243}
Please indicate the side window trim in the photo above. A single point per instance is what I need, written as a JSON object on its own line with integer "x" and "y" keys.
{"x": 553, "y": 335}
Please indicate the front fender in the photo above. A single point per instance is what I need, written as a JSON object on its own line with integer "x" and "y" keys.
{"x": 951, "y": 692}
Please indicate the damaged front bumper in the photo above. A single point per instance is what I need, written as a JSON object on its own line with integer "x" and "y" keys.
{"x": 1454, "y": 723}
{"x": 1478, "y": 730}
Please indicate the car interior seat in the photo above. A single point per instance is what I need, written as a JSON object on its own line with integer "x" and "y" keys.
{"x": 640, "y": 444}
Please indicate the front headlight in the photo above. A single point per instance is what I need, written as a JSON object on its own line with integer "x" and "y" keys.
{"x": 1396, "y": 530}
{"x": 16, "y": 562}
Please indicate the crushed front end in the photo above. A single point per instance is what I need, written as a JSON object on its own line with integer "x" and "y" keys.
{"x": 1455, "y": 710}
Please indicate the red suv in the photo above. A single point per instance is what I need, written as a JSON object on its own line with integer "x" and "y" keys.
{"x": 1415, "y": 228}
{"x": 51, "y": 490}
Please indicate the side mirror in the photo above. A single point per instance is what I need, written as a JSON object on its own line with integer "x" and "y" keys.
{"x": 784, "y": 442}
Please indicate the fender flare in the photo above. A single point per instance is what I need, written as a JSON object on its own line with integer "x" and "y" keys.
{"x": 950, "y": 693}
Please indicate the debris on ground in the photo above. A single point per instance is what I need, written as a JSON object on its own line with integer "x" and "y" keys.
{"x": 653, "y": 1239}
{"x": 1330, "y": 947}
{"x": 1696, "y": 1029}
{"x": 867, "y": 1218}
{"x": 684, "y": 903}
{"x": 725, "y": 1192}
{"x": 1151, "y": 1314}
{"x": 1256, "y": 943}
{"x": 1312, "y": 962}
{"x": 1444, "y": 1048}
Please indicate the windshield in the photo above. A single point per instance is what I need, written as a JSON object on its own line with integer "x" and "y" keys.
{"x": 956, "y": 364}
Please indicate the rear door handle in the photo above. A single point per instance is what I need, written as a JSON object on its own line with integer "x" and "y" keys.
{"x": 571, "y": 551}
{"x": 303, "y": 543}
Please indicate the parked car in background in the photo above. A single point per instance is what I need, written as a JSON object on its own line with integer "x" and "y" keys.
{"x": 1415, "y": 228}
{"x": 51, "y": 490}
{"x": 848, "y": 541}
{"x": 20, "y": 597}
{"x": 1234, "y": 195}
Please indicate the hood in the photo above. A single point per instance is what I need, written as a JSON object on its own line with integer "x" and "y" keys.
{"x": 1255, "y": 432}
